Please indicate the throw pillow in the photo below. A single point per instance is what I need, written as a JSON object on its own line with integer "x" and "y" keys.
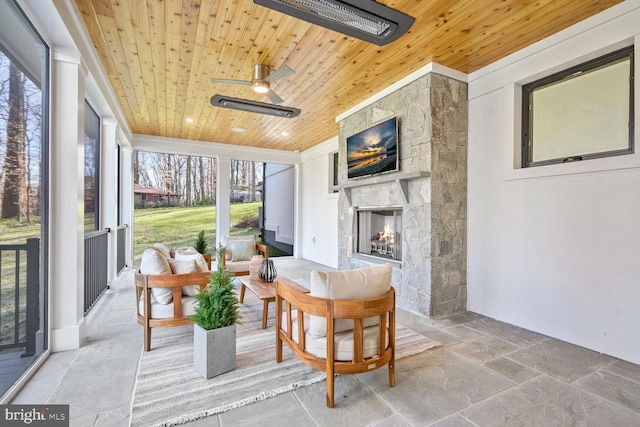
{"x": 183, "y": 266}
{"x": 186, "y": 266}
{"x": 153, "y": 262}
{"x": 242, "y": 250}
{"x": 162, "y": 249}
{"x": 187, "y": 250}
{"x": 362, "y": 283}
{"x": 226, "y": 242}
{"x": 198, "y": 258}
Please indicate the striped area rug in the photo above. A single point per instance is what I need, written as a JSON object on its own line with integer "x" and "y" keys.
{"x": 168, "y": 390}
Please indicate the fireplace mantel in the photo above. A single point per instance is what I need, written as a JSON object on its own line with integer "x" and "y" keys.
{"x": 402, "y": 178}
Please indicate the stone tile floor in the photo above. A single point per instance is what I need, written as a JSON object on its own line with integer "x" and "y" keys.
{"x": 486, "y": 373}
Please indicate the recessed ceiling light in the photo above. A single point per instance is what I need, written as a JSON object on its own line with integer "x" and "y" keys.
{"x": 238, "y": 129}
{"x": 285, "y": 133}
{"x": 189, "y": 120}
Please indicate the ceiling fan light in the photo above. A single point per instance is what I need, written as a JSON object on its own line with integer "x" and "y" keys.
{"x": 363, "y": 19}
{"x": 260, "y": 86}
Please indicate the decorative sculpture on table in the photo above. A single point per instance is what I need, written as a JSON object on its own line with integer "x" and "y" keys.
{"x": 254, "y": 266}
{"x": 268, "y": 271}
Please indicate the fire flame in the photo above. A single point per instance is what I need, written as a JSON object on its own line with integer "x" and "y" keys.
{"x": 386, "y": 234}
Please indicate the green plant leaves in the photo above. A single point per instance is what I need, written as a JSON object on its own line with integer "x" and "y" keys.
{"x": 217, "y": 304}
{"x": 201, "y": 243}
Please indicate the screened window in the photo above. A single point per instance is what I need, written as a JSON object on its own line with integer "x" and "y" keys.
{"x": 581, "y": 113}
{"x": 91, "y": 168}
{"x": 24, "y": 61}
{"x": 247, "y": 180}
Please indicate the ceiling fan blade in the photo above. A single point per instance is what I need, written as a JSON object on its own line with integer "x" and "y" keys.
{"x": 274, "y": 98}
{"x": 280, "y": 73}
{"x": 230, "y": 81}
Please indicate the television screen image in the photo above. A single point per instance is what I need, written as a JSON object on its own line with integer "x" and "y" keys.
{"x": 374, "y": 150}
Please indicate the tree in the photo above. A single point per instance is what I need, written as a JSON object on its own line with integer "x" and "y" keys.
{"x": 14, "y": 193}
{"x": 187, "y": 199}
{"x": 252, "y": 182}
{"x": 202, "y": 195}
{"x": 193, "y": 177}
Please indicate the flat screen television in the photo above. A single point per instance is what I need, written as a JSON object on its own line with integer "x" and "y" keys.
{"x": 373, "y": 151}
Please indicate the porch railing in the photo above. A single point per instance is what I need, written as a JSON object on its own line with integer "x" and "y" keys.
{"x": 19, "y": 296}
{"x": 96, "y": 259}
{"x": 122, "y": 248}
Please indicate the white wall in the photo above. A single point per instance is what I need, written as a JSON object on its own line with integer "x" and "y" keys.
{"x": 554, "y": 249}
{"x": 279, "y": 195}
{"x": 319, "y": 208}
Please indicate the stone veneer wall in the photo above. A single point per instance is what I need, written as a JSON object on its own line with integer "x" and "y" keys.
{"x": 432, "y": 117}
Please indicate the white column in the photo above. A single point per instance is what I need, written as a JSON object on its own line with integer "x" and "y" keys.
{"x": 297, "y": 212}
{"x": 109, "y": 192}
{"x": 66, "y": 226}
{"x": 126, "y": 198}
{"x": 223, "y": 197}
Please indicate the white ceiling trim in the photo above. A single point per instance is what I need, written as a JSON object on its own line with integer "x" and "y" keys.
{"x": 161, "y": 144}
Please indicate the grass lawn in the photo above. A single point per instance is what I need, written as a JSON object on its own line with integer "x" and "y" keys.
{"x": 177, "y": 227}
{"x": 13, "y": 232}
{"x": 174, "y": 226}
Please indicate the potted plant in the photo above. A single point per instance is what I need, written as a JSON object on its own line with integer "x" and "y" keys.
{"x": 201, "y": 243}
{"x": 214, "y": 332}
{"x": 201, "y": 247}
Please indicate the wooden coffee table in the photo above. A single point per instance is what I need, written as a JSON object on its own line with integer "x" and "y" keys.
{"x": 265, "y": 291}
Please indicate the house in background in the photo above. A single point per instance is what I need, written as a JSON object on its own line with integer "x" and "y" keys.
{"x": 550, "y": 248}
{"x": 154, "y": 196}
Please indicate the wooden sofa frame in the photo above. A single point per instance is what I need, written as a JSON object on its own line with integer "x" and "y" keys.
{"x": 382, "y": 307}
{"x": 260, "y": 248}
{"x": 145, "y": 282}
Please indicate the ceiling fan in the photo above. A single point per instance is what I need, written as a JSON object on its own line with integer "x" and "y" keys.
{"x": 262, "y": 77}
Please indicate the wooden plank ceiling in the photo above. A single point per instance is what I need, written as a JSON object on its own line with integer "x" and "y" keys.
{"x": 160, "y": 56}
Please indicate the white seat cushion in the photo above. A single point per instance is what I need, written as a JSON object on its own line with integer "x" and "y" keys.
{"x": 361, "y": 283}
{"x": 165, "y": 311}
{"x": 344, "y": 344}
{"x": 238, "y": 266}
{"x": 343, "y": 341}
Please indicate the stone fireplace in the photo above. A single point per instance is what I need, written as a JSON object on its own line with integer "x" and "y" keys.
{"x": 379, "y": 232}
{"x": 415, "y": 218}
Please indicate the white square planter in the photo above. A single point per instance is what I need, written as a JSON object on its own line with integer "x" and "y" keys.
{"x": 214, "y": 351}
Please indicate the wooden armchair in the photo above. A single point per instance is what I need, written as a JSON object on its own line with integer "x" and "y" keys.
{"x": 367, "y": 344}
{"x": 153, "y": 315}
{"x": 240, "y": 265}
{"x": 165, "y": 298}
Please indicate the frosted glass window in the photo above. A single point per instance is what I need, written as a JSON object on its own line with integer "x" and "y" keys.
{"x": 581, "y": 113}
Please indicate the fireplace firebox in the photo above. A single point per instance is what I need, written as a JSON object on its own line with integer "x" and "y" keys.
{"x": 380, "y": 232}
